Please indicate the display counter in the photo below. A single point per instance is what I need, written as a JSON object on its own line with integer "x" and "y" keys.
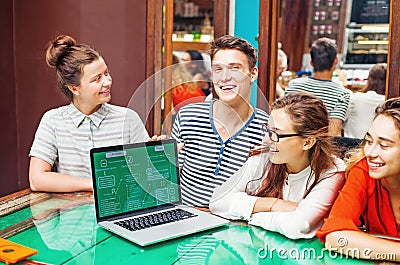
{"x": 365, "y": 45}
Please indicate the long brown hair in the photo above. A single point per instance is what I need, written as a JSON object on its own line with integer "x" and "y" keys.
{"x": 377, "y": 79}
{"x": 309, "y": 117}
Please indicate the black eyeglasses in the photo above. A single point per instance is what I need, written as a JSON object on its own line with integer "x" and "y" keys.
{"x": 274, "y": 136}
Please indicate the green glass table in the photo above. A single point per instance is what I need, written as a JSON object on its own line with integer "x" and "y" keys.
{"x": 62, "y": 227}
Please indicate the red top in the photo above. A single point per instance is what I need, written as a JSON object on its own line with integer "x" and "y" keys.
{"x": 181, "y": 96}
{"x": 361, "y": 196}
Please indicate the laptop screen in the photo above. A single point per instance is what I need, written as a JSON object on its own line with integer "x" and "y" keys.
{"x": 134, "y": 177}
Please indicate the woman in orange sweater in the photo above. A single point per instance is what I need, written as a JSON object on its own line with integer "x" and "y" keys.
{"x": 372, "y": 192}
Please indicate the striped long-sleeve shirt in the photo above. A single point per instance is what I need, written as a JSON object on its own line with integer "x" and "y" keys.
{"x": 206, "y": 160}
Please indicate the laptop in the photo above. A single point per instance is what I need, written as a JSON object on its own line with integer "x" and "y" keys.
{"x": 137, "y": 194}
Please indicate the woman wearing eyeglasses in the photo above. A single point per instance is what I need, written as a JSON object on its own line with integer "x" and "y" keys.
{"x": 289, "y": 184}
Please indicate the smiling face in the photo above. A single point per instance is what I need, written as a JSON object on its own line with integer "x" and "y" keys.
{"x": 382, "y": 148}
{"x": 232, "y": 76}
{"x": 292, "y": 151}
{"x": 94, "y": 89}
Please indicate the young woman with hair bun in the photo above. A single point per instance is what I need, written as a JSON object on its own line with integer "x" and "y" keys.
{"x": 66, "y": 134}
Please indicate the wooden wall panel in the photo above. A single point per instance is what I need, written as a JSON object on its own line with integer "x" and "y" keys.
{"x": 168, "y": 48}
{"x": 154, "y": 61}
{"x": 293, "y": 29}
{"x": 221, "y": 18}
{"x": 117, "y": 30}
{"x": 393, "y": 73}
{"x": 267, "y": 54}
{"x": 8, "y": 140}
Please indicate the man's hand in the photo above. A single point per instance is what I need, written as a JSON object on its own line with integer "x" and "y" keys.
{"x": 163, "y": 137}
{"x": 180, "y": 146}
{"x": 157, "y": 138}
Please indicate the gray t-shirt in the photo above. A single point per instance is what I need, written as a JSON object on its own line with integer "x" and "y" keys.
{"x": 65, "y": 135}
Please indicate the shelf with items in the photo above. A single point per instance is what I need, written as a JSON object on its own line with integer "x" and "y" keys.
{"x": 193, "y": 23}
{"x": 327, "y": 20}
{"x": 366, "y": 44}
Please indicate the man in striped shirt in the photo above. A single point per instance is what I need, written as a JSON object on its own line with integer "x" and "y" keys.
{"x": 336, "y": 98}
{"x": 218, "y": 134}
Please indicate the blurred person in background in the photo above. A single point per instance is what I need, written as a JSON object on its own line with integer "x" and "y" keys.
{"x": 281, "y": 66}
{"x": 335, "y": 97}
{"x": 183, "y": 91}
{"x": 362, "y": 104}
{"x": 194, "y": 62}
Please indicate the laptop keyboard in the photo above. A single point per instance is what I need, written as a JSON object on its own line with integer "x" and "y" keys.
{"x": 143, "y": 222}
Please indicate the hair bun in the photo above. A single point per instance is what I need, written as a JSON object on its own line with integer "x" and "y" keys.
{"x": 58, "y": 49}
